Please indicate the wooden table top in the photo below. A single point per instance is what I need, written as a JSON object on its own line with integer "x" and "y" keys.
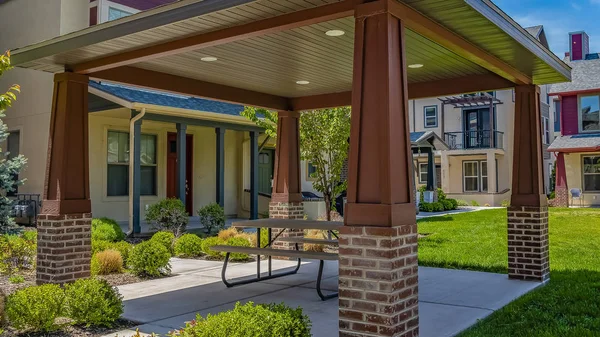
{"x": 290, "y": 223}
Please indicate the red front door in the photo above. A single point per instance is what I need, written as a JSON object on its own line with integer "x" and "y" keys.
{"x": 172, "y": 170}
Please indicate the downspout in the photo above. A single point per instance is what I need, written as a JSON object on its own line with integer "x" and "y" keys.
{"x": 131, "y": 166}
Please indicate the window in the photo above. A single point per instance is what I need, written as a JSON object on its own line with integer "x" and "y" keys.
{"x": 546, "y": 130}
{"x": 310, "y": 170}
{"x": 589, "y": 115}
{"x": 591, "y": 173}
{"x": 264, "y": 158}
{"x": 114, "y": 13}
{"x": 12, "y": 147}
{"x": 556, "y": 116}
{"x": 431, "y": 120}
{"x": 423, "y": 173}
{"x": 475, "y": 176}
{"x": 471, "y": 176}
{"x": 118, "y": 164}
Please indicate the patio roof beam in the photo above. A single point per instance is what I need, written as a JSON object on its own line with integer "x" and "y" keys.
{"x": 438, "y": 88}
{"x": 187, "y": 86}
{"x": 446, "y": 38}
{"x": 271, "y": 25}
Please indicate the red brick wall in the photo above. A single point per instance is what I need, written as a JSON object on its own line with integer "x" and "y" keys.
{"x": 569, "y": 116}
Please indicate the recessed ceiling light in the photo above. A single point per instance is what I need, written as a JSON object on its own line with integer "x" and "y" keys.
{"x": 302, "y": 82}
{"x": 208, "y": 59}
{"x": 335, "y": 32}
{"x": 415, "y": 66}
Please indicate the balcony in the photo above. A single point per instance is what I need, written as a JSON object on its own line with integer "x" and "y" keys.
{"x": 479, "y": 139}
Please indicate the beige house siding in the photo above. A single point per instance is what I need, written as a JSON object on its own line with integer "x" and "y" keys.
{"x": 573, "y": 166}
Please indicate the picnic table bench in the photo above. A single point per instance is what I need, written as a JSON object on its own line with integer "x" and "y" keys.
{"x": 270, "y": 252}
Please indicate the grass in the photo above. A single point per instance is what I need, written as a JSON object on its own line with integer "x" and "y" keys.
{"x": 568, "y": 306}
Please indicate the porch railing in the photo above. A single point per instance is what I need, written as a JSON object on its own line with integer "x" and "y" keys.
{"x": 479, "y": 139}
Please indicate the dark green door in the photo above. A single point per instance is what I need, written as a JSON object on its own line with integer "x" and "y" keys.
{"x": 265, "y": 170}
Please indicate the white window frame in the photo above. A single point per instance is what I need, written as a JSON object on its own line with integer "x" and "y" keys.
{"x": 308, "y": 177}
{"x": 546, "y": 130}
{"x": 421, "y": 180}
{"x": 425, "y": 117}
{"x": 583, "y": 174}
{"x": 103, "y": 6}
{"x": 481, "y": 176}
{"x": 580, "y": 114}
{"x": 478, "y": 176}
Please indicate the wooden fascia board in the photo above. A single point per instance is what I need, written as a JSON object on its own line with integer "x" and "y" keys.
{"x": 439, "y": 34}
{"x": 438, "y": 88}
{"x": 271, "y": 25}
{"x": 169, "y": 118}
{"x": 176, "y": 84}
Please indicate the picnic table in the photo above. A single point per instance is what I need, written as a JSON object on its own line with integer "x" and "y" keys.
{"x": 284, "y": 224}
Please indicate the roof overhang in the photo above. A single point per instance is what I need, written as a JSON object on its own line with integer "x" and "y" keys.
{"x": 430, "y": 140}
{"x": 264, "y": 47}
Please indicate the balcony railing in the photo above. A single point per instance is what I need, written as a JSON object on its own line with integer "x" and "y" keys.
{"x": 479, "y": 139}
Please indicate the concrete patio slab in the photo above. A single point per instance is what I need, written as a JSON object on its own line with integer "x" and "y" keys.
{"x": 450, "y": 300}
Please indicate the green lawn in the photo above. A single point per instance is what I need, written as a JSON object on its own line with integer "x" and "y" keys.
{"x": 569, "y": 305}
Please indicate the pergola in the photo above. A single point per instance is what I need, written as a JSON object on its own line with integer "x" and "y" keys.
{"x": 291, "y": 56}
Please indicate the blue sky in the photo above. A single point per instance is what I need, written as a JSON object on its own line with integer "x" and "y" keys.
{"x": 559, "y": 17}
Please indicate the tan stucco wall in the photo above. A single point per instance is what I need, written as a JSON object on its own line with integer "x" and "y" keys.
{"x": 573, "y": 166}
{"x": 204, "y": 166}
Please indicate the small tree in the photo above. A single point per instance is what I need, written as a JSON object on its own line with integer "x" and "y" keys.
{"x": 9, "y": 168}
{"x": 323, "y": 142}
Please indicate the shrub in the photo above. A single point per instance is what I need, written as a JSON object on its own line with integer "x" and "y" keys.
{"x": 551, "y": 196}
{"x": 426, "y": 206}
{"x": 454, "y": 203}
{"x": 238, "y": 242}
{"x": 271, "y": 320}
{"x": 208, "y": 243}
{"x": 93, "y": 302}
{"x": 448, "y": 206}
{"x": 100, "y": 245}
{"x": 35, "y": 307}
{"x": 166, "y": 239}
{"x": 487, "y": 205}
{"x": 122, "y": 247}
{"x": 16, "y": 279}
{"x": 188, "y": 245}
{"x": 168, "y": 215}
{"x": 2, "y": 310}
{"x": 462, "y": 202}
{"x": 149, "y": 258}
{"x": 506, "y": 203}
{"x": 438, "y": 206}
{"x": 30, "y": 237}
{"x": 314, "y": 234}
{"x": 107, "y": 262}
{"x": 474, "y": 203}
{"x": 107, "y": 230}
{"x": 16, "y": 254}
{"x": 212, "y": 217}
{"x": 227, "y": 234}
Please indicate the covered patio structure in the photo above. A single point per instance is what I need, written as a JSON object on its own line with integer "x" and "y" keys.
{"x": 293, "y": 56}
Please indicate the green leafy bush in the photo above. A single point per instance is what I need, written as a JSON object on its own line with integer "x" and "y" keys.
{"x": 462, "y": 203}
{"x": 122, "y": 247}
{"x": 474, "y": 203}
{"x": 30, "y": 237}
{"x": 506, "y": 203}
{"x": 212, "y": 217}
{"x": 188, "y": 245}
{"x": 431, "y": 207}
{"x": 16, "y": 254}
{"x": 149, "y": 258}
{"x": 107, "y": 262}
{"x": 93, "y": 302}
{"x": 168, "y": 215}
{"x": 164, "y": 238}
{"x": 454, "y": 203}
{"x": 100, "y": 245}
{"x": 238, "y": 242}
{"x": 272, "y": 320}
{"x": 106, "y": 229}
{"x": 208, "y": 243}
{"x": 35, "y": 308}
{"x": 448, "y": 206}
{"x": 16, "y": 279}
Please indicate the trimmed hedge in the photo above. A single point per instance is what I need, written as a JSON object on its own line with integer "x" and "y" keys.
{"x": 93, "y": 302}
{"x": 188, "y": 245}
{"x": 149, "y": 258}
{"x": 106, "y": 229}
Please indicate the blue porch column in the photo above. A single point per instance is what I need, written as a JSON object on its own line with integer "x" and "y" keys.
{"x": 181, "y": 165}
{"x": 253, "y": 175}
{"x": 137, "y": 170}
{"x": 220, "y": 166}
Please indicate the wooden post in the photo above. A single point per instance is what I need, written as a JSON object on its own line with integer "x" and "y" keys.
{"x": 528, "y": 254}
{"x": 137, "y": 175}
{"x": 378, "y": 244}
{"x": 64, "y": 223}
{"x": 181, "y": 164}
{"x": 220, "y": 178}
{"x": 561, "y": 187}
{"x": 253, "y": 175}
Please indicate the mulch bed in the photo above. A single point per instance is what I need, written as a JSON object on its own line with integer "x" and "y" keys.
{"x": 75, "y": 331}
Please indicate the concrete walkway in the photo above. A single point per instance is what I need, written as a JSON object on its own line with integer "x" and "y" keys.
{"x": 450, "y": 300}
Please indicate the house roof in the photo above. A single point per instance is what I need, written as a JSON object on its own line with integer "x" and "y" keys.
{"x": 427, "y": 139}
{"x": 539, "y": 33}
{"x": 576, "y": 143}
{"x": 135, "y": 95}
{"x": 585, "y": 77}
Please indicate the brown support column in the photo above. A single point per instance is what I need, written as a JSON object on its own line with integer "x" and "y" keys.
{"x": 561, "y": 188}
{"x": 286, "y": 199}
{"x": 64, "y": 223}
{"x": 528, "y": 215}
{"x": 378, "y": 244}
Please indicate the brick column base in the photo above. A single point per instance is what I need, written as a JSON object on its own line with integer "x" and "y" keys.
{"x": 561, "y": 197}
{"x": 528, "y": 255}
{"x": 292, "y": 210}
{"x": 64, "y": 247}
{"x": 378, "y": 281}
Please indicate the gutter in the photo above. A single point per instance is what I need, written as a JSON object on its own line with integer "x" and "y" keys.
{"x": 576, "y": 149}
{"x": 131, "y": 166}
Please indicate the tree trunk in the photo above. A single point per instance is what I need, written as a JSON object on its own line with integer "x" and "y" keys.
{"x": 327, "y": 205}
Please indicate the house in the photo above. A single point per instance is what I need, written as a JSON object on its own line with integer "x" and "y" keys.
{"x": 577, "y": 149}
